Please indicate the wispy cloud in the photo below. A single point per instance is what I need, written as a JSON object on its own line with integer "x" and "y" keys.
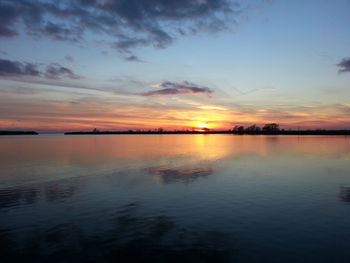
{"x": 16, "y": 69}
{"x": 69, "y": 58}
{"x": 253, "y": 90}
{"x": 56, "y": 71}
{"x": 344, "y": 65}
{"x": 10, "y": 68}
{"x": 133, "y": 58}
{"x": 171, "y": 88}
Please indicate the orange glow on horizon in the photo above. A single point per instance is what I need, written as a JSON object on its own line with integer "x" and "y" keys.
{"x": 82, "y": 117}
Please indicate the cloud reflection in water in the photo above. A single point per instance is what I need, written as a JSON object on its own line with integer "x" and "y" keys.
{"x": 185, "y": 175}
{"x": 131, "y": 238}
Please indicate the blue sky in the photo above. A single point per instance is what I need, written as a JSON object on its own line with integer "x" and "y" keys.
{"x": 271, "y": 61}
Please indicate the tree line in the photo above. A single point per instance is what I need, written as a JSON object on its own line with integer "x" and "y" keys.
{"x": 267, "y": 128}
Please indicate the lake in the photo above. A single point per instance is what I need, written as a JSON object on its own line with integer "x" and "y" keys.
{"x": 174, "y": 198}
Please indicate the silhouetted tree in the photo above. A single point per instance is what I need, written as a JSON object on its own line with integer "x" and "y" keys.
{"x": 238, "y": 129}
{"x": 206, "y": 129}
{"x": 252, "y": 129}
{"x": 95, "y": 130}
{"x": 271, "y": 127}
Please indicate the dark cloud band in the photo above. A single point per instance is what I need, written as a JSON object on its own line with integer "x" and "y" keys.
{"x": 171, "y": 88}
{"x": 10, "y": 68}
{"x": 131, "y": 23}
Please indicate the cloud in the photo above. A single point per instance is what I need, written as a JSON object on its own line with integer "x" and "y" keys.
{"x": 344, "y": 65}
{"x": 17, "y": 69}
{"x": 171, "y": 88}
{"x": 182, "y": 174}
{"x": 10, "y": 68}
{"x": 253, "y": 90}
{"x": 8, "y": 15}
{"x": 133, "y": 58}
{"x": 69, "y": 58}
{"x": 56, "y": 71}
{"x": 130, "y": 23}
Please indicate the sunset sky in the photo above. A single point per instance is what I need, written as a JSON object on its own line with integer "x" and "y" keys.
{"x": 143, "y": 64}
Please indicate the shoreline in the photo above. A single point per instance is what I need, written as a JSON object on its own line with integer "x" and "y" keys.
{"x": 311, "y": 132}
{"x": 18, "y": 133}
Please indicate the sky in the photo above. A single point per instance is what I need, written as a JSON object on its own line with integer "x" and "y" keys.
{"x": 75, "y": 65}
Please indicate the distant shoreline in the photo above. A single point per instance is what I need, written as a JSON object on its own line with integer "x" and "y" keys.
{"x": 306, "y": 132}
{"x": 282, "y": 132}
{"x": 18, "y": 133}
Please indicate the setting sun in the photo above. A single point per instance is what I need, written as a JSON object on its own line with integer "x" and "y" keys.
{"x": 202, "y": 125}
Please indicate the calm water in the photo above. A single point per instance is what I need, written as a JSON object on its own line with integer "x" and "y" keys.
{"x": 174, "y": 198}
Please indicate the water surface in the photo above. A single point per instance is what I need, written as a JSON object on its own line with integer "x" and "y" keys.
{"x": 174, "y": 198}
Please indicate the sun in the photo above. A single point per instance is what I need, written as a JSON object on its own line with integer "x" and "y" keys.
{"x": 202, "y": 125}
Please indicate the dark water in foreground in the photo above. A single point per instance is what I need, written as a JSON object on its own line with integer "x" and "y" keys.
{"x": 174, "y": 198}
